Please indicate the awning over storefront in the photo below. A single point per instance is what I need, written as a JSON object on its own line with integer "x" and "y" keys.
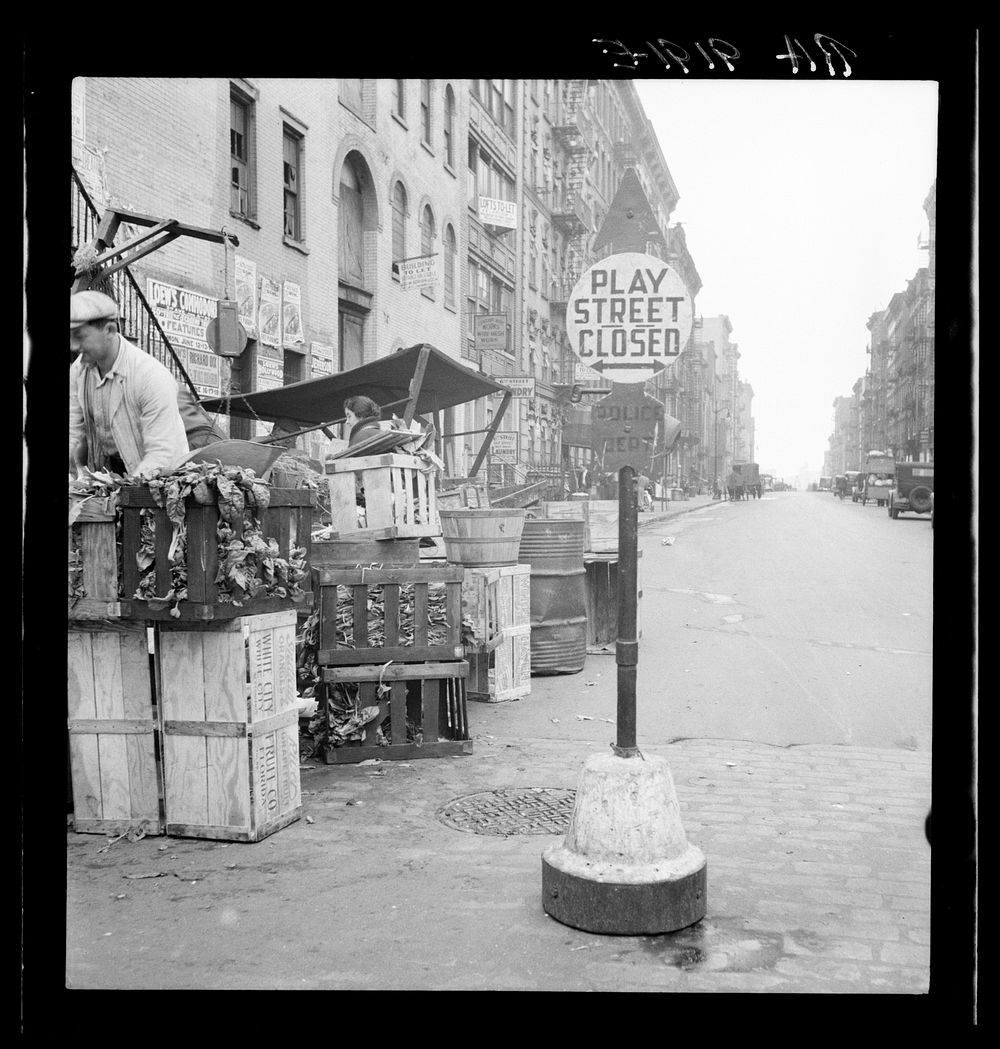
{"x": 442, "y": 383}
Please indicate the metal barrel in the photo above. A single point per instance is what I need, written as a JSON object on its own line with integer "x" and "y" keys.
{"x": 554, "y": 550}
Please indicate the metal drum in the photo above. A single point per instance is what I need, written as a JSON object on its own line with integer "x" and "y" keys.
{"x": 554, "y": 549}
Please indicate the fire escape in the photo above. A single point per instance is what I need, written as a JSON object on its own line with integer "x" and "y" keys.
{"x": 571, "y": 213}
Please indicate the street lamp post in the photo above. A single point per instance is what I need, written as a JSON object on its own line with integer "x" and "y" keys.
{"x": 715, "y": 443}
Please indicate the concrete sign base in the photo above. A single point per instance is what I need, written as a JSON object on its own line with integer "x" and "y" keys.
{"x": 625, "y": 866}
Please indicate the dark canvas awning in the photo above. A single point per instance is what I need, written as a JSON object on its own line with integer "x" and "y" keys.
{"x": 444, "y": 383}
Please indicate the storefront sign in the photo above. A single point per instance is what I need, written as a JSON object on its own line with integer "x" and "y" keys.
{"x": 629, "y": 316}
{"x": 498, "y": 212}
{"x": 491, "y": 331}
{"x": 183, "y": 315}
{"x": 291, "y": 312}
{"x": 246, "y": 294}
{"x": 521, "y": 386}
{"x": 418, "y": 272}
{"x": 504, "y": 446}
{"x": 269, "y": 312}
{"x": 321, "y": 357}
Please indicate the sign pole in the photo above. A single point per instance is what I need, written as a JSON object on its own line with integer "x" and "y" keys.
{"x": 627, "y": 645}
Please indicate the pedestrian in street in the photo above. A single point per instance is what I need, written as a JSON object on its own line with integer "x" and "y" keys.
{"x": 715, "y": 489}
{"x": 123, "y": 412}
{"x": 362, "y": 419}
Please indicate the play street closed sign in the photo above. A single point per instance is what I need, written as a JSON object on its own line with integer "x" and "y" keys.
{"x": 629, "y": 316}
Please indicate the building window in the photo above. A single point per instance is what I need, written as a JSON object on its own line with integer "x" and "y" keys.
{"x": 242, "y": 158}
{"x": 350, "y": 223}
{"x": 473, "y": 173}
{"x": 427, "y": 235}
{"x": 292, "y": 371}
{"x": 292, "y": 156}
{"x": 425, "y": 111}
{"x": 450, "y": 257}
{"x": 352, "y": 92}
{"x": 449, "y": 126}
{"x": 398, "y": 227}
{"x": 399, "y": 98}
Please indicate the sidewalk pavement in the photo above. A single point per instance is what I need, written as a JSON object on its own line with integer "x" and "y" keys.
{"x": 818, "y": 880}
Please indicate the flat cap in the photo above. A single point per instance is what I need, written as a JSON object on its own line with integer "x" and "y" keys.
{"x": 87, "y": 306}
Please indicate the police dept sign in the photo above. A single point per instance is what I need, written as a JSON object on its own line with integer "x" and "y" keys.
{"x": 629, "y": 316}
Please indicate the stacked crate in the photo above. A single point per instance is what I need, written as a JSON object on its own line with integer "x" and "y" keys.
{"x": 413, "y": 677}
{"x": 400, "y": 497}
{"x": 203, "y": 743}
{"x": 497, "y": 604}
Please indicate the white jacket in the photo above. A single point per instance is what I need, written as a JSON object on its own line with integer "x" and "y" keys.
{"x": 145, "y": 420}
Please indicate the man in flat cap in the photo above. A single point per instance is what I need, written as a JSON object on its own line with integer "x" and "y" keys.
{"x": 123, "y": 413}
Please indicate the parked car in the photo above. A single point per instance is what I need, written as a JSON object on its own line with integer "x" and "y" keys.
{"x": 912, "y": 490}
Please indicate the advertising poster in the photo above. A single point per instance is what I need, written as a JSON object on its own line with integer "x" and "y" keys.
{"x": 246, "y": 294}
{"x": 291, "y": 327}
{"x": 269, "y": 312}
{"x": 183, "y": 315}
{"x": 204, "y": 370}
{"x": 321, "y": 359}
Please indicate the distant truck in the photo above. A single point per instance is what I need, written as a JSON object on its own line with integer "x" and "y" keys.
{"x": 825, "y": 484}
{"x": 878, "y": 475}
{"x": 747, "y": 474}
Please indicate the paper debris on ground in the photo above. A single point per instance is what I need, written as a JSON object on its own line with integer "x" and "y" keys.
{"x": 584, "y": 717}
{"x": 667, "y": 540}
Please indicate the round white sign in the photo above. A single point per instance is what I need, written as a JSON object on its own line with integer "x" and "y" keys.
{"x": 629, "y": 316}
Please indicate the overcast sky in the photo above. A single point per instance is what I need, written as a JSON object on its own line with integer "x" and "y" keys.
{"x": 802, "y": 203}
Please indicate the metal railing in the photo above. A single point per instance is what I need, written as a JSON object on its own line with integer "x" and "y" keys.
{"x": 137, "y": 321}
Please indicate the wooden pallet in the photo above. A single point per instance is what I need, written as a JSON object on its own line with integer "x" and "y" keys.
{"x": 399, "y": 492}
{"x": 229, "y": 714}
{"x": 112, "y": 729}
{"x": 431, "y": 695}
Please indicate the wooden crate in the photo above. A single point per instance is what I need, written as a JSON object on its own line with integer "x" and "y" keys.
{"x": 496, "y": 598}
{"x": 431, "y": 695}
{"x": 346, "y": 593}
{"x": 92, "y": 544}
{"x": 229, "y": 715}
{"x": 399, "y": 491}
{"x": 288, "y": 519}
{"x": 112, "y": 724}
{"x": 602, "y": 601}
{"x": 502, "y": 671}
{"x": 600, "y": 517}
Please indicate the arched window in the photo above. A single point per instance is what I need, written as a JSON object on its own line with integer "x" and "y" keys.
{"x": 398, "y": 226}
{"x": 449, "y": 126}
{"x": 427, "y": 231}
{"x": 450, "y": 256}
{"x": 427, "y": 235}
{"x": 350, "y": 218}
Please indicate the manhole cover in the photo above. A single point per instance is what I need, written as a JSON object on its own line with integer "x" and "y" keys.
{"x": 519, "y": 810}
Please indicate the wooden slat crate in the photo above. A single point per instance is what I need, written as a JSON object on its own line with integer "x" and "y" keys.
{"x": 92, "y": 546}
{"x": 399, "y": 491}
{"x": 600, "y": 517}
{"x": 346, "y": 597}
{"x": 288, "y": 519}
{"x": 495, "y": 598}
{"x": 112, "y": 725}
{"x": 502, "y": 672}
{"x": 602, "y": 601}
{"x": 229, "y": 715}
{"x": 430, "y": 695}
